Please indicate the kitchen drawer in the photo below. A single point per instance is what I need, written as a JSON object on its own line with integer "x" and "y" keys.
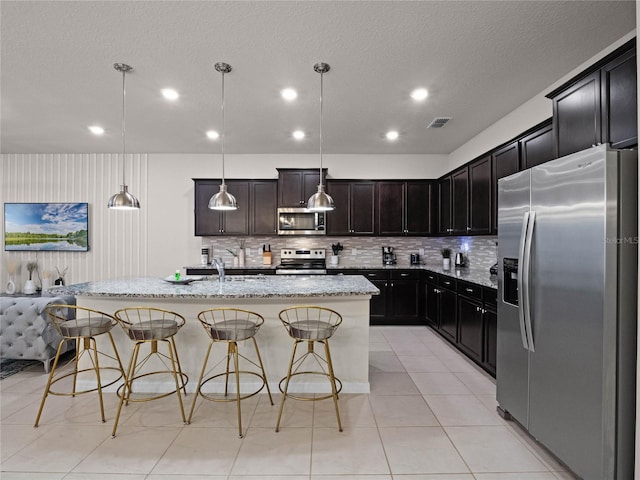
{"x": 470, "y": 290}
{"x": 491, "y": 296}
{"x": 405, "y": 274}
{"x": 431, "y": 277}
{"x": 344, "y": 271}
{"x": 447, "y": 282}
{"x": 375, "y": 274}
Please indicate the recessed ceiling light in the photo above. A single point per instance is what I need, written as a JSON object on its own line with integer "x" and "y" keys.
{"x": 392, "y": 135}
{"x": 298, "y": 134}
{"x": 96, "y": 130}
{"x": 419, "y": 94}
{"x": 213, "y": 135}
{"x": 170, "y": 94}
{"x": 289, "y": 94}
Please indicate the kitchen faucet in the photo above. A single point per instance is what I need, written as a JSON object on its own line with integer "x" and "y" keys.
{"x": 219, "y": 263}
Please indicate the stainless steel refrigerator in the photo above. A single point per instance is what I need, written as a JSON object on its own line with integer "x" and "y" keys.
{"x": 567, "y": 297}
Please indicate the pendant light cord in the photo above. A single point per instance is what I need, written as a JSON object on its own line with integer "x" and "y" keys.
{"x": 124, "y": 157}
{"x": 321, "y": 90}
{"x": 223, "y": 128}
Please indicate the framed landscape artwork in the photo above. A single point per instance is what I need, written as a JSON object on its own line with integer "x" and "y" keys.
{"x": 60, "y": 227}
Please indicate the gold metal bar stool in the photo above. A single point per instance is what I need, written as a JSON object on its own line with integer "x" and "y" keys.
{"x": 310, "y": 324}
{"x": 82, "y": 325}
{"x": 152, "y": 326}
{"x": 230, "y": 325}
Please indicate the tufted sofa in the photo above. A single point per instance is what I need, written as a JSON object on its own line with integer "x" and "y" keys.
{"x": 25, "y": 331}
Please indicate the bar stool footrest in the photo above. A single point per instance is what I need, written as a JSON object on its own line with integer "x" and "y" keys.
{"x": 81, "y": 392}
{"x": 152, "y": 396}
{"x": 299, "y": 397}
{"x": 232, "y": 393}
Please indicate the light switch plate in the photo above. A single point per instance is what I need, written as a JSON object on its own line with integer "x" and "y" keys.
{"x": 354, "y": 251}
{"x": 421, "y": 251}
{"x": 247, "y": 252}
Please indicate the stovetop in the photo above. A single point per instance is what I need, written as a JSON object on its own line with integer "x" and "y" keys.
{"x": 302, "y": 261}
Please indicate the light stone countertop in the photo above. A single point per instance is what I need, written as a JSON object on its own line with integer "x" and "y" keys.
{"x": 477, "y": 275}
{"x": 235, "y": 286}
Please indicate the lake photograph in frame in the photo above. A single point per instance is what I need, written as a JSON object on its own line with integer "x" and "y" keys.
{"x": 59, "y": 227}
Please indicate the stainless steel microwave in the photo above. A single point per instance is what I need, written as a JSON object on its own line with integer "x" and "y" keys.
{"x": 300, "y": 221}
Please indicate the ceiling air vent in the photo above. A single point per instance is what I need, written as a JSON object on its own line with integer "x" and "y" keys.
{"x": 438, "y": 122}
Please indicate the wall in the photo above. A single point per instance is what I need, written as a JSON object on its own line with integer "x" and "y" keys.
{"x": 159, "y": 238}
{"x": 529, "y": 114}
{"x": 171, "y": 191}
{"x": 116, "y": 239}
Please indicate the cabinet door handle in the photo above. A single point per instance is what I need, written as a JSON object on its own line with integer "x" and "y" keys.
{"x": 391, "y": 284}
{"x": 446, "y": 283}
{"x": 468, "y": 228}
{"x": 470, "y": 290}
{"x": 478, "y": 309}
{"x": 404, "y": 274}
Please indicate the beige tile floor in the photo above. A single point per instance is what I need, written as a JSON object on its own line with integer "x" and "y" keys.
{"x": 430, "y": 416}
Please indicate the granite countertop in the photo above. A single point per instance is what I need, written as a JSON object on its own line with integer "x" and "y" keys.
{"x": 476, "y": 275}
{"x": 235, "y": 286}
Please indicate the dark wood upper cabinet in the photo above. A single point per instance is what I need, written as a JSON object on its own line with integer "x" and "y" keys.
{"x": 405, "y": 207}
{"x": 444, "y": 205}
{"x": 211, "y": 222}
{"x": 537, "y": 147}
{"x": 420, "y": 217}
{"x": 506, "y": 160}
{"x": 354, "y": 212}
{"x": 263, "y": 196}
{"x": 296, "y": 185}
{"x": 576, "y": 114}
{"x": 480, "y": 196}
{"x": 391, "y": 207}
{"x": 460, "y": 201}
{"x": 619, "y": 90}
{"x": 599, "y": 105}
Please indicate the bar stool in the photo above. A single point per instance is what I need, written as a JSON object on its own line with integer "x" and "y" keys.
{"x": 310, "y": 324}
{"x": 81, "y": 325}
{"x": 148, "y": 325}
{"x": 230, "y": 325}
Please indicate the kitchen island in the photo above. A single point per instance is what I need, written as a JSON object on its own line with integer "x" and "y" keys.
{"x": 267, "y": 295}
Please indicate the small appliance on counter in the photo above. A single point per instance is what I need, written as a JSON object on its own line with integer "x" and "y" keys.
{"x": 461, "y": 260}
{"x": 415, "y": 259}
{"x": 388, "y": 257}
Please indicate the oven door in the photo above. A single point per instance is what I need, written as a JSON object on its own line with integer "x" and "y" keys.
{"x": 300, "y": 221}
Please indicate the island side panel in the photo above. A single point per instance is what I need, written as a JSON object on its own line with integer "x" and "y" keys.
{"x": 349, "y": 345}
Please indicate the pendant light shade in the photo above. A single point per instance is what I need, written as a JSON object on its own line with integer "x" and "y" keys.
{"x": 123, "y": 200}
{"x": 320, "y": 201}
{"x": 223, "y": 200}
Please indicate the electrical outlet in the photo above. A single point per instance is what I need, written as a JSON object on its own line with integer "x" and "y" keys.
{"x": 354, "y": 251}
{"x": 260, "y": 250}
{"x": 421, "y": 252}
{"x": 248, "y": 252}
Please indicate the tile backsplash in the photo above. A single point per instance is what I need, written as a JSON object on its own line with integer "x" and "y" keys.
{"x": 481, "y": 252}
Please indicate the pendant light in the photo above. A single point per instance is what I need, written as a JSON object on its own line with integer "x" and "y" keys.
{"x": 123, "y": 200}
{"x": 320, "y": 201}
{"x": 223, "y": 200}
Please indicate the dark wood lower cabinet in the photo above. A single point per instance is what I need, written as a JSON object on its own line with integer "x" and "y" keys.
{"x": 448, "y": 314}
{"x": 491, "y": 335}
{"x": 463, "y": 313}
{"x": 470, "y": 320}
{"x": 404, "y": 293}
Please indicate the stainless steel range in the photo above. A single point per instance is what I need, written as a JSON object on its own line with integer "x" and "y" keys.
{"x": 302, "y": 262}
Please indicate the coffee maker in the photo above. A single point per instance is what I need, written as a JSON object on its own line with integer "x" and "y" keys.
{"x": 388, "y": 257}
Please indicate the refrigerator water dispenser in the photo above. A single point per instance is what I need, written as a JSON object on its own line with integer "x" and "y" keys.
{"x": 510, "y": 290}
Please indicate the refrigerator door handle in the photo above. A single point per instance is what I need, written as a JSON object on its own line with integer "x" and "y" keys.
{"x": 526, "y": 279}
{"x": 520, "y": 280}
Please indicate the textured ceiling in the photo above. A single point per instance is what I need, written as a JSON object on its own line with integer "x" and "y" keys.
{"x": 479, "y": 60}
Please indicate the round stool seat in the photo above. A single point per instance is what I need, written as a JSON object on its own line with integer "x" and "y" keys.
{"x": 152, "y": 329}
{"x": 234, "y": 330}
{"x": 311, "y": 329}
{"x": 86, "y": 327}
